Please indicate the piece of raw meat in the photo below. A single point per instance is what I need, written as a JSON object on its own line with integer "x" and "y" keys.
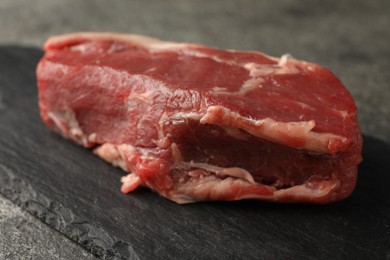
{"x": 195, "y": 123}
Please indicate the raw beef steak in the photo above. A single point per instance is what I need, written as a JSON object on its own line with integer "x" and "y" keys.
{"x": 195, "y": 123}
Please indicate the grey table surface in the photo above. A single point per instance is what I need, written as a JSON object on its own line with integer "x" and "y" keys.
{"x": 352, "y": 38}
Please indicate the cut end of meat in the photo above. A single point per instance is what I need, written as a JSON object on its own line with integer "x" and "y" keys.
{"x": 194, "y": 123}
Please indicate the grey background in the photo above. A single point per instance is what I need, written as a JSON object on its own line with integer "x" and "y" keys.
{"x": 351, "y": 38}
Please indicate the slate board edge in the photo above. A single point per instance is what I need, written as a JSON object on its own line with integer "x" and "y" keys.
{"x": 52, "y": 214}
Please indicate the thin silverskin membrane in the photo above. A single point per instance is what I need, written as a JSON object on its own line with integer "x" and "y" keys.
{"x": 195, "y": 123}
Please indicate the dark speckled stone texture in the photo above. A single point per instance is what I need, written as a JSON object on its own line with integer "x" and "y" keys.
{"x": 22, "y": 235}
{"x": 42, "y": 173}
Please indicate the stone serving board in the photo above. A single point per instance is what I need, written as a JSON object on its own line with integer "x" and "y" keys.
{"x": 76, "y": 193}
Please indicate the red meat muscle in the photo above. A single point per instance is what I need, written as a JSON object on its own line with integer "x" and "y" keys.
{"x": 195, "y": 123}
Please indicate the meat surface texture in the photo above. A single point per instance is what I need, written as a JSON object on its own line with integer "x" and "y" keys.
{"x": 195, "y": 123}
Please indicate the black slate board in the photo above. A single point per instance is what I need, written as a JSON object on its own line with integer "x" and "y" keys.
{"x": 76, "y": 193}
